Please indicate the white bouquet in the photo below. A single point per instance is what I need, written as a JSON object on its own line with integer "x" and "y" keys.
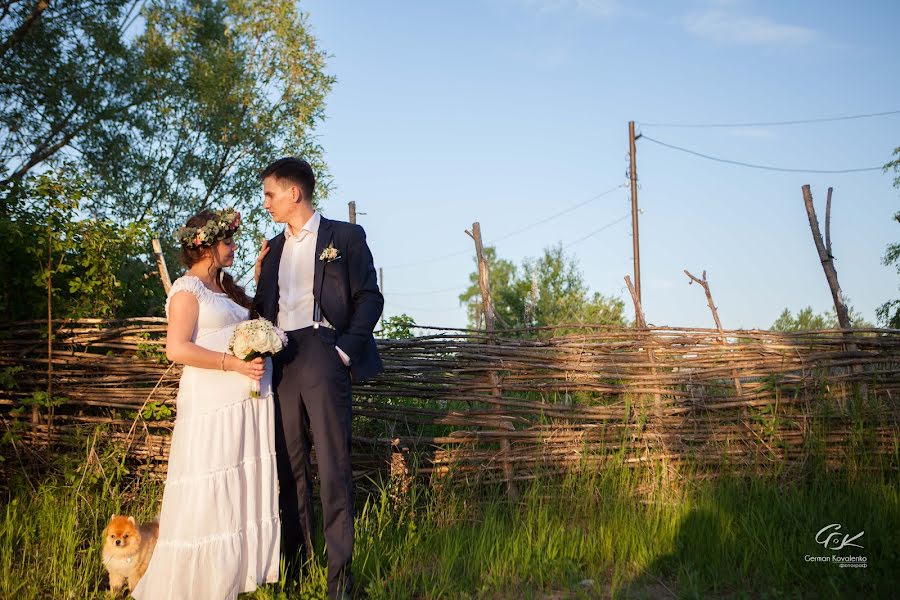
{"x": 255, "y": 338}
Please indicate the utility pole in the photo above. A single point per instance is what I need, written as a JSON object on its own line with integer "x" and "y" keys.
{"x": 634, "y": 210}
{"x": 352, "y": 206}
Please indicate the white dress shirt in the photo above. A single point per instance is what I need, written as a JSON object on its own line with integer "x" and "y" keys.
{"x": 296, "y": 274}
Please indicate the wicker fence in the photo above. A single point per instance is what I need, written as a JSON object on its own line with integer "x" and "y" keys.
{"x": 465, "y": 405}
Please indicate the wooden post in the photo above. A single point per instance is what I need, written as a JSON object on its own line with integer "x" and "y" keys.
{"x": 400, "y": 477}
{"x": 657, "y": 425}
{"x": 826, "y": 258}
{"x": 638, "y": 309}
{"x": 641, "y": 323}
{"x": 715, "y": 314}
{"x": 161, "y": 265}
{"x": 531, "y": 302}
{"x": 484, "y": 282}
{"x": 484, "y": 278}
{"x": 352, "y": 206}
{"x": 632, "y": 151}
{"x": 35, "y": 411}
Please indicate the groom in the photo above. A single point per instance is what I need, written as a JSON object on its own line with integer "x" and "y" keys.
{"x": 317, "y": 282}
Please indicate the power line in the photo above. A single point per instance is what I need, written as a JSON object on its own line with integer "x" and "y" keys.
{"x": 423, "y": 309}
{"x": 428, "y": 293}
{"x": 596, "y": 231}
{"x": 773, "y": 123}
{"x": 568, "y": 245}
{"x": 753, "y": 166}
{"x": 510, "y": 234}
{"x": 430, "y": 260}
{"x": 560, "y": 213}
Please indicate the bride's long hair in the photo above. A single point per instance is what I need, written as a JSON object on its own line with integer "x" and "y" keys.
{"x": 191, "y": 255}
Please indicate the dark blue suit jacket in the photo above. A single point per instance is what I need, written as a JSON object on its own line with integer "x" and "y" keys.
{"x": 346, "y": 289}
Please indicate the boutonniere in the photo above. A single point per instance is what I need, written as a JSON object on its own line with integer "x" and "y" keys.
{"x": 330, "y": 253}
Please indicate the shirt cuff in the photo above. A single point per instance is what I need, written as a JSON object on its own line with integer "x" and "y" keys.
{"x": 343, "y": 356}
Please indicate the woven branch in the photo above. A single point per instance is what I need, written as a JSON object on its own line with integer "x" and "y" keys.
{"x": 571, "y": 400}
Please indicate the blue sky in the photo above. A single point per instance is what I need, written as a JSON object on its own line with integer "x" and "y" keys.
{"x": 509, "y": 111}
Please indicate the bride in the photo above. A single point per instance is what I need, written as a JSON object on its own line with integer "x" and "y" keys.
{"x": 219, "y": 531}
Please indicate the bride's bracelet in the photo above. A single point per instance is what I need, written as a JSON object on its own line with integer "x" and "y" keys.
{"x": 223, "y": 361}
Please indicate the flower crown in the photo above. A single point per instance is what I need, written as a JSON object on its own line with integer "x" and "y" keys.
{"x": 222, "y": 225}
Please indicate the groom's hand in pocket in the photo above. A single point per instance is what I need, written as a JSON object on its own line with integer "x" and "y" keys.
{"x": 344, "y": 358}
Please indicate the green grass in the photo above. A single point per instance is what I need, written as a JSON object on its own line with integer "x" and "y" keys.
{"x": 621, "y": 533}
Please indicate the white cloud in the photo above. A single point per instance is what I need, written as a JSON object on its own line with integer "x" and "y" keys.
{"x": 727, "y": 27}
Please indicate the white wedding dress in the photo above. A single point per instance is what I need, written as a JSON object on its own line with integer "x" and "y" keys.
{"x": 219, "y": 530}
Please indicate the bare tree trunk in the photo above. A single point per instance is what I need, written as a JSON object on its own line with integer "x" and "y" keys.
{"x": 638, "y": 309}
{"x": 484, "y": 278}
{"x": 161, "y": 265}
{"x": 484, "y": 281}
{"x": 641, "y": 322}
{"x": 827, "y": 260}
{"x": 824, "y": 250}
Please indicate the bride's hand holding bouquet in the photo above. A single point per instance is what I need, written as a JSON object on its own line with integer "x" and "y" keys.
{"x": 253, "y": 341}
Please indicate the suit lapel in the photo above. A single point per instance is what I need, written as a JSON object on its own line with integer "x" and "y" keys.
{"x": 323, "y": 238}
{"x": 273, "y": 261}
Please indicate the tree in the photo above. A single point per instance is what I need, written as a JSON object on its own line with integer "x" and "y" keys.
{"x": 398, "y": 327}
{"x": 549, "y": 290}
{"x": 167, "y": 113}
{"x": 894, "y": 166}
{"x": 164, "y": 107}
{"x": 807, "y": 320}
{"x": 234, "y": 85}
{"x": 55, "y": 263}
{"x": 508, "y": 290}
{"x": 66, "y": 78}
{"x": 889, "y": 313}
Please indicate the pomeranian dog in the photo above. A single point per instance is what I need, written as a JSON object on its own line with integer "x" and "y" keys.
{"x": 127, "y": 548}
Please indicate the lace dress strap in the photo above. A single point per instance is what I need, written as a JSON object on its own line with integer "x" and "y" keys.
{"x": 192, "y": 285}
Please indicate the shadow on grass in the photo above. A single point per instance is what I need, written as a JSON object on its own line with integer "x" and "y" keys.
{"x": 620, "y": 532}
{"x": 756, "y": 538}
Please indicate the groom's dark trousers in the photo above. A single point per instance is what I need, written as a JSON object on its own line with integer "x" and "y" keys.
{"x": 313, "y": 390}
{"x": 313, "y": 406}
